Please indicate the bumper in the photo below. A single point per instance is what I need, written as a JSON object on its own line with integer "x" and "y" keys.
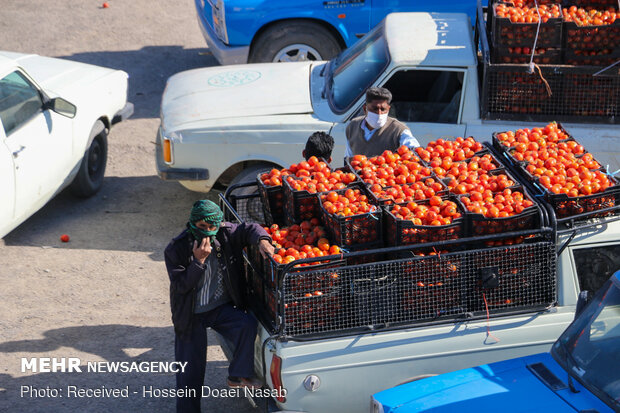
{"x": 167, "y": 173}
{"x": 225, "y": 55}
{"x": 123, "y": 114}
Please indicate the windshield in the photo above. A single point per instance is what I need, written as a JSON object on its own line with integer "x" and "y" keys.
{"x": 354, "y": 70}
{"x": 593, "y": 343}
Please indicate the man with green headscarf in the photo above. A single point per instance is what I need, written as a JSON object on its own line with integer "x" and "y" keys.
{"x": 205, "y": 267}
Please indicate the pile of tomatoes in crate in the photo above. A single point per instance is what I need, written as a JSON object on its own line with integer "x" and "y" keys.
{"x": 437, "y": 212}
{"x": 390, "y": 168}
{"x": 560, "y": 165}
{"x": 415, "y": 191}
{"x": 526, "y": 12}
{"x": 349, "y": 203}
{"x": 306, "y": 240}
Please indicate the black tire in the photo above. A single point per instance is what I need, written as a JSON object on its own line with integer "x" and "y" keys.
{"x": 251, "y": 209}
{"x": 89, "y": 179}
{"x": 321, "y": 44}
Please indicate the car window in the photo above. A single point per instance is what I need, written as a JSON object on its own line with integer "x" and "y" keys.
{"x": 596, "y": 265}
{"x": 426, "y": 95}
{"x": 19, "y": 101}
{"x": 355, "y": 69}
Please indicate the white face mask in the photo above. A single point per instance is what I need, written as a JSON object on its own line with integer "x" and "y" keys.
{"x": 375, "y": 120}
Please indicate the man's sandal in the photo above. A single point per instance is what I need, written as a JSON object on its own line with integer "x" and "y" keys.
{"x": 243, "y": 382}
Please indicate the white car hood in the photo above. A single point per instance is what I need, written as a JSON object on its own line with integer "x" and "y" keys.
{"x": 236, "y": 91}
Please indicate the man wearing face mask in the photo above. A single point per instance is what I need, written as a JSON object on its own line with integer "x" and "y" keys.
{"x": 205, "y": 267}
{"x": 375, "y": 132}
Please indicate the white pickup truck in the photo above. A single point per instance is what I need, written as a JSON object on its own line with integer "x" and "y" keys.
{"x": 224, "y": 123}
{"x": 361, "y": 336}
{"x": 227, "y": 123}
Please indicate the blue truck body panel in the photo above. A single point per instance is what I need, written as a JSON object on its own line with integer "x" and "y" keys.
{"x": 531, "y": 383}
{"x": 350, "y": 19}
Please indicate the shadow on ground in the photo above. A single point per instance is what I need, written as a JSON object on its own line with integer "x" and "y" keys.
{"x": 113, "y": 343}
{"x": 148, "y": 69}
{"x": 128, "y": 214}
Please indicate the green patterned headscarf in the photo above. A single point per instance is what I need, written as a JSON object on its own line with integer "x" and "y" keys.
{"x": 207, "y": 211}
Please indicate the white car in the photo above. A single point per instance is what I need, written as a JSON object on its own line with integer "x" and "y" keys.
{"x": 55, "y": 116}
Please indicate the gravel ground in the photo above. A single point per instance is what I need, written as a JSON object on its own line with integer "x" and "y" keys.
{"x": 104, "y": 295}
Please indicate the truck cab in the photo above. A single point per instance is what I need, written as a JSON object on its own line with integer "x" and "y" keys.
{"x": 260, "y": 116}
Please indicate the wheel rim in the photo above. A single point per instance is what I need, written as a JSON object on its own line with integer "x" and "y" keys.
{"x": 95, "y": 159}
{"x": 297, "y": 53}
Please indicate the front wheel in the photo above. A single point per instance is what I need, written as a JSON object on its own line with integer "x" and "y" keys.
{"x": 89, "y": 179}
{"x": 294, "y": 41}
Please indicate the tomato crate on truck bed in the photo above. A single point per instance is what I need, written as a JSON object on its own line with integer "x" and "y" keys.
{"x": 402, "y": 287}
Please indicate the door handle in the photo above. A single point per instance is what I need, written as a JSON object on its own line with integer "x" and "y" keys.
{"x": 16, "y": 153}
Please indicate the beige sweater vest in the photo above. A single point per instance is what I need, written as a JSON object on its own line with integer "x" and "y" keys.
{"x": 387, "y": 137}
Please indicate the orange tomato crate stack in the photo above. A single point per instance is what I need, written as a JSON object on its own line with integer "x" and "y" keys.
{"x": 389, "y": 168}
{"x": 431, "y": 220}
{"x": 352, "y": 220}
{"x": 272, "y": 193}
{"x": 591, "y": 35}
{"x": 416, "y": 191}
{"x": 515, "y": 24}
{"x": 572, "y": 181}
{"x": 310, "y": 179}
{"x": 307, "y": 240}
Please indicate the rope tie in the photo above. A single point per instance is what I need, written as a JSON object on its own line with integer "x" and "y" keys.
{"x": 535, "y": 39}
{"x": 486, "y": 306}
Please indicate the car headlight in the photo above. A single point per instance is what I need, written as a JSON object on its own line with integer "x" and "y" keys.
{"x": 375, "y": 406}
{"x": 219, "y": 20}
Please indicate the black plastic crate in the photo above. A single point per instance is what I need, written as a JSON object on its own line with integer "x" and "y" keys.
{"x": 508, "y": 55}
{"x": 404, "y": 232}
{"x": 578, "y": 94}
{"x": 367, "y": 182}
{"x": 300, "y": 205}
{"x": 388, "y": 199}
{"x": 591, "y": 37}
{"x": 483, "y": 153}
{"x": 504, "y": 33}
{"x": 581, "y": 58}
{"x": 565, "y": 206}
{"x": 501, "y": 147}
{"x": 273, "y": 199}
{"x": 493, "y": 177}
{"x": 599, "y": 4}
{"x": 529, "y": 219}
{"x": 361, "y": 230}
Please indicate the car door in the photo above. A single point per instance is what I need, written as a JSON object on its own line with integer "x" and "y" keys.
{"x": 7, "y": 186}
{"x": 39, "y": 140}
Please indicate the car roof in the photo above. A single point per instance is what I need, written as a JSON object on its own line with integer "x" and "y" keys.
{"x": 10, "y": 60}
{"x": 430, "y": 39}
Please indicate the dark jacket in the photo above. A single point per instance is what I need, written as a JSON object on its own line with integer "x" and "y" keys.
{"x": 185, "y": 272}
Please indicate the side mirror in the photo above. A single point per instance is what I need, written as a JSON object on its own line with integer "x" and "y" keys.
{"x": 62, "y": 107}
{"x": 582, "y": 301}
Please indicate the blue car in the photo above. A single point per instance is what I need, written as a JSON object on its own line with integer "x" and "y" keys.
{"x": 242, "y": 31}
{"x": 580, "y": 374}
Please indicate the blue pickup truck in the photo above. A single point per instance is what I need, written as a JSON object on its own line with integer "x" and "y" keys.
{"x": 580, "y": 374}
{"x": 254, "y": 31}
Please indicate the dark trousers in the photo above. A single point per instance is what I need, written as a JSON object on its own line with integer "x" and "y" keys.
{"x": 237, "y": 327}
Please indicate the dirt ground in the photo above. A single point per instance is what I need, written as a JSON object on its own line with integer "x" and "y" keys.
{"x": 104, "y": 295}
